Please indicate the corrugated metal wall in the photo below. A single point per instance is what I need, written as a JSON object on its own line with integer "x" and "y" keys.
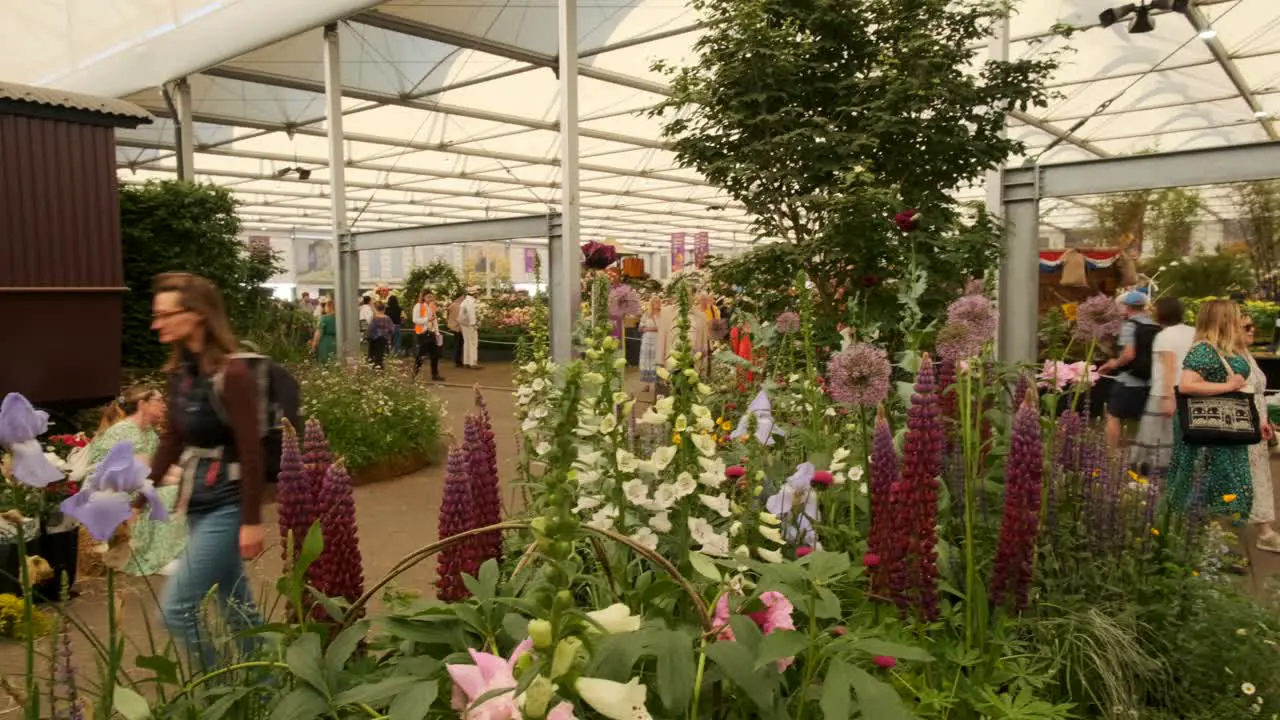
{"x": 61, "y": 269}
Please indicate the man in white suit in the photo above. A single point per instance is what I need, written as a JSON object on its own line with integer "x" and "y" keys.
{"x": 468, "y": 319}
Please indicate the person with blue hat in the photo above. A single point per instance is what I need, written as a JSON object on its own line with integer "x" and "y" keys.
{"x": 1127, "y": 400}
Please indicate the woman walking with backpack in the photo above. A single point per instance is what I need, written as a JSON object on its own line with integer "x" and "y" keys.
{"x": 220, "y": 461}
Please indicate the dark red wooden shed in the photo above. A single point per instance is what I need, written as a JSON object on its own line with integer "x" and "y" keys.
{"x": 61, "y": 269}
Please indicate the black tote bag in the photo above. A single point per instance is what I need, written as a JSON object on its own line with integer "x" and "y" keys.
{"x": 1226, "y": 419}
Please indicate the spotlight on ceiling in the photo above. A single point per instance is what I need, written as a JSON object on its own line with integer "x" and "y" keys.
{"x": 1261, "y": 113}
{"x": 1142, "y": 22}
{"x": 1208, "y": 34}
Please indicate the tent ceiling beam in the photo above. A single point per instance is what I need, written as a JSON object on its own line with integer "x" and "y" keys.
{"x": 1059, "y": 133}
{"x": 1196, "y": 17}
{"x": 311, "y": 86}
{"x": 412, "y": 28}
{"x": 476, "y": 231}
{"x": 1185, "y": 168}
{"x": 306, "y": 128}
{"x": 392, "y": 167}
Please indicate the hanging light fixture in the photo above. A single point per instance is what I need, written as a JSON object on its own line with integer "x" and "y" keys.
{"x": 1142, "y": 14}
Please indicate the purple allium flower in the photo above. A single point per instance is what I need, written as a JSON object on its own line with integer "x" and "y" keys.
{"x": 921, "y": 467}
{"x": 978, "y": 313}
{"x": 859, "y": 375}
{"x": 340, "y": 566}
{"x": 1011, "y": 576}
{"x": 1098, "y": 318}
{"x": 456, "y": 516}
{"x": 105, "y": 501}
{"x": 957, "y": 342}
{"x": 624, "y": 301}
{"x": 292, "y": 504}
{"x": 946, "y": 381}
{"x": 65, "y": 696}
{"x": 482, "y": 465}
{"x": 20, "y": 425}
{"x": 885, "y": 475}
{"x": 788, "y": 322}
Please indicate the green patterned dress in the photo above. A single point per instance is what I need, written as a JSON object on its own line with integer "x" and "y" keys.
{"x": 156, "y": 543}
{"x": 1225, "y": 477}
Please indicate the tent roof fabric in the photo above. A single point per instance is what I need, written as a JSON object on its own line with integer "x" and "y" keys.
{"x": 451, "y": 106}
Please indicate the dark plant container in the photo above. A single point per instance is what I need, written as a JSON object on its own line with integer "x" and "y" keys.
{"x": 61, "y": 549}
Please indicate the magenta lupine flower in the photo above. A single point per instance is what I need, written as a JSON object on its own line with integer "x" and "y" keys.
{"x": 976, "y": 311}
{"x": 64, "y": 698}
{"x": 957, "y": 342}
{"x": 921, "y": 467}
{"x": 456, "y": 516}
{"x": 1011, "y": 576}
{"x": 482, "y": 466}
{"x": 292, "y": 504}
{"x": 946, "y": 389}
{"x": 885, "y": 475}
{"x": 1098, "y": 318}
{"x": 788, "y": 322}
{"x": 859, "y": 375}
{"x": 316, "y": 459}
{"x": 341, "y": 573}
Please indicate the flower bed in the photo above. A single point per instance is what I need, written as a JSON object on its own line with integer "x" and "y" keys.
{"x": 372, "y": 418}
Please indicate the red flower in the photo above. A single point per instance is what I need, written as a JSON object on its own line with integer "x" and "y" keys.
{"x": 803, "y": 550}
{"x": 823, "y": 478}
{"x": 734, "y": 472}
{"x": 907, "y": 220}
{"x": 839, "y": 630}
{"x": 871, "y": 560}
{"x": 884, "y": 661}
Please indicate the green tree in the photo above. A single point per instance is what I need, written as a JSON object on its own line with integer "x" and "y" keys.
{"x": 437, "y": 276}
{"x": 173, "y": 226}
{"x": 825, "y": 119}
{"x": 1171, "y": 220}
{"x": 1258, "y": 204}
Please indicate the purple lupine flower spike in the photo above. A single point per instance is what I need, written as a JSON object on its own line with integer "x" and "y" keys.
{"x": 341, "y": 559}
{"x": 456, "y": 511}
{"x": 105, "y": 502}
{"x": 291, "y": 502}
{"x": 65, "y": 696}
{"x": 1011, "y": 576}
{"x": 20, "y": 425}
{"x": 482, "y": 465}
{"x": 922, "y": 466}
{"x": 885, "y": 475}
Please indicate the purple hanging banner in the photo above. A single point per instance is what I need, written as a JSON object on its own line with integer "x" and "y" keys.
{"x": 677, "y": 252}
{"x": 701, "y": 248}
{"x": 530, "y": 260}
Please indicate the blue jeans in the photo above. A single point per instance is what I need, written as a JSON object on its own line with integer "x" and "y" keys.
{"x": 395, "y": 342}
{"x": 210, "y": 561}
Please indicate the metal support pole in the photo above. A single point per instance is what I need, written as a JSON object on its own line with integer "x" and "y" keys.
{"x": 564, "y": 284}
{"x": 345, "y": 263}
{"x": 998, "y": 51}
{"x": 1020, "y": 277}
{"x": 186, "y": 132}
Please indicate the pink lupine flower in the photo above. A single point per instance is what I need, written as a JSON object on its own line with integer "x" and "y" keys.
{"x": 883, "y": 541}
{"x": 1011, "y": 576}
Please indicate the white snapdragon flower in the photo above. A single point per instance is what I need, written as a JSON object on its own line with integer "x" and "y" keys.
{"x": 587, "y": 502}
{"x": 637, "y": 492}
{"x": 661, "y": 522}
{"x": 663, "y": 456}
{"x": 705, "y": 444}
{"x": 685, "y": 485}
{"x": 771, "y": 534}
{"x": 646, "y": 538}
{"x": 718, "y": 503}
{"x": 770, "y": 556}
{"x": 626, "y": 461}
{"x": 603, "y": 518}
{"x": 653, "y": 417}
{"x": 712, "y": 543}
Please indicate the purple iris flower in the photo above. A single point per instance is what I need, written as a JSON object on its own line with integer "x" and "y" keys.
{"x": 20, "y": 425}
{"x": 106, "y": 500}
{"x": 796, "y": 504}
{"x": 765, "y": 430}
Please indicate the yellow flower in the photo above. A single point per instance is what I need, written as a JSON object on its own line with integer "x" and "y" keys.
{"x": 1195, "y": 573}
{"x": 1069, "y": 310}
{"x": 1133, "y": 475}
{"x": 1155, "y": 531}
{"x": 676, "y": 438}
{"x": 1229, "y": 497}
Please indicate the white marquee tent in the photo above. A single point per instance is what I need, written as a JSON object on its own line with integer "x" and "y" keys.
{"x": 450, "y": 108}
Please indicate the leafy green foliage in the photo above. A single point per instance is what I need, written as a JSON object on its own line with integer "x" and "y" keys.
{"x": 1259, "y": 206}
{"x": 439, "y": 277}
{"x": 370, "y": 416}
{"x": 174, "y": 226}
{"x": 1221, "y": 272}
{"x": 824, "y": 125}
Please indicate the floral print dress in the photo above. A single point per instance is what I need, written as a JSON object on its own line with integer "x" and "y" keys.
{"x": 1225, "y": 478}
{"x": 156, "y": 543}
